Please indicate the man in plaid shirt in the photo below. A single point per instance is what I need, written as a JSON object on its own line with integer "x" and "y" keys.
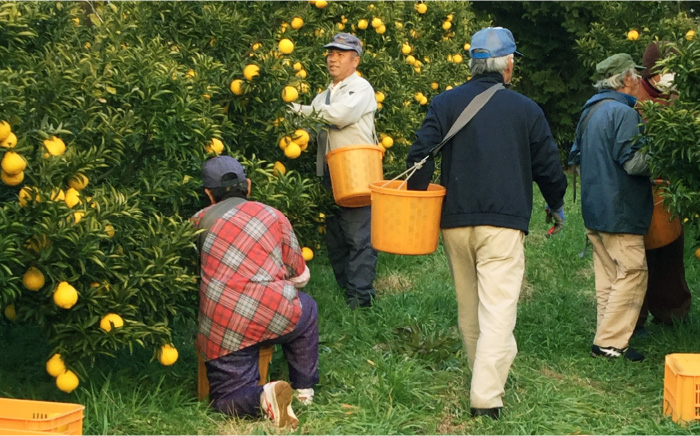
{"x": 251, "y": 267}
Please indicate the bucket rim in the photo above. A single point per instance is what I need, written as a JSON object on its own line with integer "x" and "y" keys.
{"x": 388, "y": 187}
{"x": 355, "y": 147}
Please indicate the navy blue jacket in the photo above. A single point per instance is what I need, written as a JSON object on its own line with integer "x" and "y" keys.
{"x": 488, "y": 167}
{"x": 612, "y": 201}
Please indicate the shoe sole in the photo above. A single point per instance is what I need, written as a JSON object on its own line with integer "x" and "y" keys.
{"x": 282, "y": 405}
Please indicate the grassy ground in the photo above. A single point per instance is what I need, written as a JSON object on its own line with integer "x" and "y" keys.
{"x": 398, "y": 367}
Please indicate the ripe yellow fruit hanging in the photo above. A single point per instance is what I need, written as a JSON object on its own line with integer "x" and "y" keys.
{"x": 65, "y": 296}
{"x": 292, "y": 151}
{"x": 57, "y": 195}
{"x": 307, "y": 253}
{"x": 109, "y": 229}
{"x": 446, "y": 25}
{"x": 167, "y": 355}
{"x": 72, "y": 197}
{"x": 387, "y": 141}
{"x": 301, "y": 137}
{"x": 321, "y": 4}
{"x": 33, "y": 279}
{"x": 410, "y": 59}
{"x": 379, "y": 96}
{"x": 251, "y": 71}
{"x": 286, "y": 46}
{"x": 12, "y": 179}
{"x": 633, "y": 35}
{"x": 55, "y": 365}
{"x": 406, "y": 49}
{"x": 67, "y": 382}
{"x": 110, "y": 321}
{"x": 214, "y": 146}
{"x": 689, "y": 35}
{"x": 297, "y": 22}
{"x": 236, "y": 86}
{"x": 10, "y": 141}
{"x": 457, "y": 59}
{"x": 289, "y": 94}
{"x": 10, "y": 312}
{"x": 697, "y": 254}
{"x": 467, "y": 46}
{"x": 5, "y": 130}
{"x": 284, "y": 142}
{"x": 362, "y": 24}
{"x": 376, "y": 22}
{"x": 78, "y": 181}
{"x": 13, "y": 163}
{"x": 55, "y": 146}
{"x": 279, "y": 169}
{"x": 421, "y": 8}
{"x": 381, "y": 30}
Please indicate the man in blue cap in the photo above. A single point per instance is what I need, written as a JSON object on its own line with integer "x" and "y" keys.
{"x": 488, "y": 168}
{"x": 348, "y": 106}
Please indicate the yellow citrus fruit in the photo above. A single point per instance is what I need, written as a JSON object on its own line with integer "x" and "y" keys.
{"x": 379, "y": 95}
{"x": 78, "y": 181}
{"x": 379, "y": 106}
{"x": 13, "y": 163}
{"x": 65, "y": 296}
{"x": 12, "y": 179}
{"x": 10, "y": 312}
{"x": 376, "y": 22}
{"x": 421, "y": 8}
{"x": 55, "y": 365}
{"x": 689, "y": 35}
{"x": 434, "y": 86}
{"x": 284, "y": 142}
{"x": 33, "y": 279}
{"x": 289, "y": 94}
{"x": 110, "y": 321}
{"x": 251, "y": 71}
{"x": 58, "y": 195}
{"x": 450, "y": 17}
{"x": 292, "y": 151}
{"x": 446, "y": 25}
{"x": 236, "y": 86}
{"x": 406, "y": 49}
{"x": 448, "y": 87}
{"x": 301, "y": 137}
{"x": 301, "y": 74}
{"x": 25, "y": 194}
{"x": 109, "y": 229}
{"x": 340, "y": 26}
{"x": 419, "y": 96}
{"x": 321, "y": 4}
{"x": 72, "y": 197}
{"x": 387, "y": 141}
{"x": 457, "y": 59}
{"x": 410, "y": 60}
{"x": 214, "y": 146}
{"x": 297, "y": 22}
{"x": 362, "y": 24}
{"x": 381, "y": 30}
{"x": 190, "y": 73}
{"x": 298, "y": 66}
{"x": 285, "y": 46}
{"x": 307, "y": 253}
{"x": 55, "y": 146}
{"x": 633, "y": 35}
{"x": 10, "y": 141}
{"x": 5, "y": 130}
{"x": 167, "y": 355}
{"x": 279, "y": 168}
{"x": 423, "y": 101}
{"x": 467, "y": 46}
{"x": 697, "y": 253}
{"x": 67, "y": 382}
{"x": 77, "y": 216}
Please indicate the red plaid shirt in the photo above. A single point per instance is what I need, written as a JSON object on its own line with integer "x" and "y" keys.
{"x": 245, "y": 297}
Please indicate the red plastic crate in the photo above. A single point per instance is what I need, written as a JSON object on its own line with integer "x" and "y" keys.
{"x": 41, "y": 416}
{"x": 682, "y": 387}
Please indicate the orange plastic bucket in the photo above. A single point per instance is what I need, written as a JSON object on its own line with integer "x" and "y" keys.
{"x": 663, "y": 230}
{"x": 352, "y": 170}
{"x": 403, "y": 221}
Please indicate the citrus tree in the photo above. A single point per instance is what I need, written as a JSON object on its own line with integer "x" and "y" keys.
{"x": 674, "y": 130}
{"x": 107, "y": 111}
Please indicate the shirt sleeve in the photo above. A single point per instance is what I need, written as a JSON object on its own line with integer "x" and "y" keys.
{"x": 291, "y": 253}
{"x": 546, "y": 168}
{"x": 628, "y": 137}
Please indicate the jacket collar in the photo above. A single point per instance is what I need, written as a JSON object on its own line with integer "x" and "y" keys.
{"x": 610, "y": 94}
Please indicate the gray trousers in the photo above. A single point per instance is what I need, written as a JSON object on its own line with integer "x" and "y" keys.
{"x": 354, "y": 261}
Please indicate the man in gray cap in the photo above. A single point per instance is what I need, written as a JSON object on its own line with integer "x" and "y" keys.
{"x": 251, "y": 266}
{"x": 616, "y": 202}
{"x": 488, "y": 168}
{"x": 348, "y": 106}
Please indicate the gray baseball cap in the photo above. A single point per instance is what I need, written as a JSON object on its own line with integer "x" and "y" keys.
{"x": 214, "y": 169}
{"x": 345, "y": 41}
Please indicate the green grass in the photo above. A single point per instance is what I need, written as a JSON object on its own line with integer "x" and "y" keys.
{"x": 399, "y": 367}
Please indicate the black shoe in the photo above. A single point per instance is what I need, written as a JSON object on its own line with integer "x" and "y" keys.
{"x": 493, "y": 413}
{"x": 640, "y": 332}
{"x": 613, "y": 353}
{"x": 354, "y": 304}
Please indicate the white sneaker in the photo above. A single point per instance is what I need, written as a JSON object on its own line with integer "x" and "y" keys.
{"x": 305, "y": 396}
{"x": 276, "y": 401}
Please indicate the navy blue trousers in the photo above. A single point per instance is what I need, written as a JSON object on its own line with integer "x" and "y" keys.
{"x": 233, "y": 379}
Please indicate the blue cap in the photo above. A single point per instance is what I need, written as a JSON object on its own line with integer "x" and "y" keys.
{"x": 492, "y": 42}
{"x": 214, "y": 170}
{"x": 345, "y": 41}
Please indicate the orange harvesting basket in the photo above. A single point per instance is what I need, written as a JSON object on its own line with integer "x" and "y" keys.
{"x": 41, "y": 416}
{"x": 403, "y": 221}
{"x": 682, "y": 387}
{"x": 663, "y": 230}
{"x": 352, "y": 169}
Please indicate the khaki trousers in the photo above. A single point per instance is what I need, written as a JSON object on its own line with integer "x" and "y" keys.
{"x": 487, "y": 265}
{"x": 621, "y": 278}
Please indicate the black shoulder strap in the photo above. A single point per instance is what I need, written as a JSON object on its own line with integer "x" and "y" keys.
{"x": 583, "y": 125}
